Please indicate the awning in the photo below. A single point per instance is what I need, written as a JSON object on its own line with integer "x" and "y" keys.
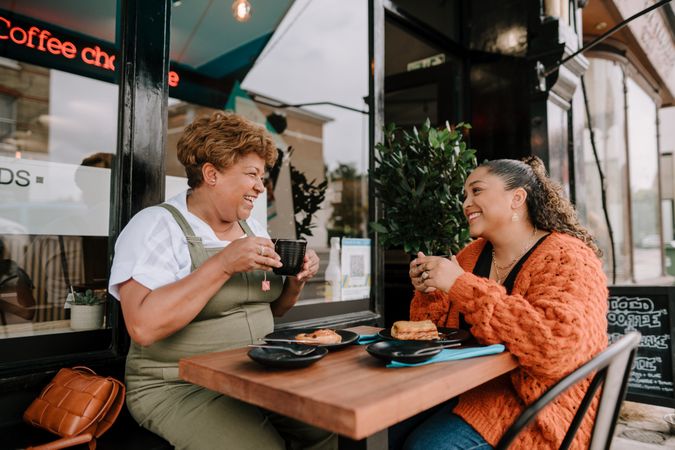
{"x": 208, "y": 46}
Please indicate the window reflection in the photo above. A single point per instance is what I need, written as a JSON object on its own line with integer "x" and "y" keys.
{"x": 57, "y": 140}
{"x": 318, "y": 54}
{"x": 630, "y": 167}
{"x": 644, "y": 180}
{"x": 604, "y": 85}
{"x": 323, "y": 57}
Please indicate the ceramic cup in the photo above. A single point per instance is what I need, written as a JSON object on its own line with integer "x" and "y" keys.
{"x": 292, "y": 253}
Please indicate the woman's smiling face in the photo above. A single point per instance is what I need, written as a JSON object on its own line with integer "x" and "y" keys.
{"x": 487, "y": 203}
{"x": 239, "y": 185}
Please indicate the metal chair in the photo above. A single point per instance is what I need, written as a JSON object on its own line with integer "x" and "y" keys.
{"x": 612, "y": 368}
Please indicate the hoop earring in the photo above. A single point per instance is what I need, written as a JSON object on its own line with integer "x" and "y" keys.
{"x": 515, "y": 217}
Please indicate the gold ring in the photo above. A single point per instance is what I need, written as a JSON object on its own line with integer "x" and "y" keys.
{"x": 425, "y": 275}
{"x": 261, "y": 250}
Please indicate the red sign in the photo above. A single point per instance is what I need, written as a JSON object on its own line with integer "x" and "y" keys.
{"x": 44, "y": 41}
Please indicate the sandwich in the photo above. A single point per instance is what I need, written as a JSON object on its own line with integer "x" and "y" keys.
{"x": 423, "y": 330}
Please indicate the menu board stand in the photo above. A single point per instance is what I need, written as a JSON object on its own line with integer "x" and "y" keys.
{"x": 651, "y": 311}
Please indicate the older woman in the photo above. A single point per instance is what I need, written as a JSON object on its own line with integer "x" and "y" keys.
{"x": 193, "y": 276}
{"x": 530, "y": 280}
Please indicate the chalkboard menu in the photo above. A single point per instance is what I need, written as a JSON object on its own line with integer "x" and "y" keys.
{"x": 651, "y": 311}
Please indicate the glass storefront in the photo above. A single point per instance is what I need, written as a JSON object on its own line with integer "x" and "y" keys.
{"x": 58, "y": 138}
{"x": 644, "y": 182}
{"x": 625, "y": 126}
{"x": 56, "y": 150}
{"x": 318, "y": 189}
{"x": 604, "y": 81}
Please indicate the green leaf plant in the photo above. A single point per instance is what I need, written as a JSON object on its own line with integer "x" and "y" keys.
{"x": 307, "y": 199}
{"x": 87, "y": 297}
{"x": 419, "y": 179}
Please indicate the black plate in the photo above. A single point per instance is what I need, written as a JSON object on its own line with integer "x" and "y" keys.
{"x": 447, "y": 336}
{"x": 348, "y": 337}
{"x": 276, "y": 357}
{"x": 401, "y": 351}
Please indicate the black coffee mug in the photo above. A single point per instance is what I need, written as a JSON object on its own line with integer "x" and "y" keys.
{"x": 292, "y": 253}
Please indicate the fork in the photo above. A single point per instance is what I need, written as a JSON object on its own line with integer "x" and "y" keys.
{"x": 426, "y": 350}
{"x": 295, "y": 351}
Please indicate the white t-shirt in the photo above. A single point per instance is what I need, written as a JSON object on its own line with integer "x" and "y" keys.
{"x": 152, "y": 248}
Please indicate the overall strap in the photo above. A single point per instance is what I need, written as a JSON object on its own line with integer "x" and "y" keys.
{"x": 244, "y": 226}
{"x": 198, "y": 253}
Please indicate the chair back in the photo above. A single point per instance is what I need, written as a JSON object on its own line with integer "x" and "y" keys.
{"x": 610, "y": 369}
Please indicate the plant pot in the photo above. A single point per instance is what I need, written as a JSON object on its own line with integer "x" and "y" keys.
{"x": 86, "y": 317}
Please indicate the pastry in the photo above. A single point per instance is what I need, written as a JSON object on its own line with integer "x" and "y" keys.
{"x": 319, "y": 337}
{"x": 423, "y": 330}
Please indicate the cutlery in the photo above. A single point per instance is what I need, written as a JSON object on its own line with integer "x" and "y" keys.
{"x": 295, "y": 351}
{"x": 292, "y": 341}
{"x": 426, "y": 350}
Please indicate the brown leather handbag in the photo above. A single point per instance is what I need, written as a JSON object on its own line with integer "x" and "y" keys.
{"x": 78, "y": 405}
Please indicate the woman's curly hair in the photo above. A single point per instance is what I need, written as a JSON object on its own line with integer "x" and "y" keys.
{"x": 221, "y": 139}
{"x": 546, "y": 205}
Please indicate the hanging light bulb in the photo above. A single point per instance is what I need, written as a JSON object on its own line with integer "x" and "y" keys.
{"x": 241, "y": 10}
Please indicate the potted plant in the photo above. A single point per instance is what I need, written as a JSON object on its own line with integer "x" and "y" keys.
{"x": 86, "y": 309}
{"x": 419, "y": 178}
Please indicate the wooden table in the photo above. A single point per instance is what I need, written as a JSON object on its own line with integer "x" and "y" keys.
{"x": 348, "y": 391}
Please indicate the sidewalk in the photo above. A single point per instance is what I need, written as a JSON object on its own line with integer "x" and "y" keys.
{"x": 641, "y": 427}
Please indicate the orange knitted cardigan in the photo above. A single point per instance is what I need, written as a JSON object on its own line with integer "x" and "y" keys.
{"x": 553, "y": 322}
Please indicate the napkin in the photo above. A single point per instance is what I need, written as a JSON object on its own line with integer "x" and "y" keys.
{"x": 449, "y": 354}
{"x": 367, "y": 338}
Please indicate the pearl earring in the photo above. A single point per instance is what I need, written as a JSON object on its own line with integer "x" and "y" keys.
{"x": 515, "y": 217}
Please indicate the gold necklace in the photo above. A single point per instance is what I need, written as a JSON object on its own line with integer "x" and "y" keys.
{"x": 513, "y": 261}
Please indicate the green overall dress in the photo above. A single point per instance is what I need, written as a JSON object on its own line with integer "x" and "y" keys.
{"x": 192, "y": 417}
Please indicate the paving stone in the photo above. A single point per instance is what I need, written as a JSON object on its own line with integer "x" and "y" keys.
{"x": 641, "y": 427}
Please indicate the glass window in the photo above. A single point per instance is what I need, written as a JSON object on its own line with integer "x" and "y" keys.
{"x": 318, "y": 190}
{"x": 407, "y": 52}
{"x": 644, "y": 163}
{"x": 410, "y": 107}
{"x": 57, "y": 140}
{"x": 667, "y": 147}
{"x": 635, "y": 160}
{"x": 7, "y": 117}
{"x": 444, "y": 17}
{"x": 604, "y": 85}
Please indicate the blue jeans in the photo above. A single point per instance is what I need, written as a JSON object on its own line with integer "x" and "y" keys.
{"x": 440, "y": 429}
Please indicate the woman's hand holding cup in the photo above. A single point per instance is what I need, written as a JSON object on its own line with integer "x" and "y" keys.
{"x": 249, "y": 254}
{"x": 418, "y": 277}
{"x": 429, "y": 273}
{"x": 310, "y": 266}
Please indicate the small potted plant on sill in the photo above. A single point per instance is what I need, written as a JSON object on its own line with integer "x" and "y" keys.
{"x": 86, "y": 310}
{"x": 419, "y": 179}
